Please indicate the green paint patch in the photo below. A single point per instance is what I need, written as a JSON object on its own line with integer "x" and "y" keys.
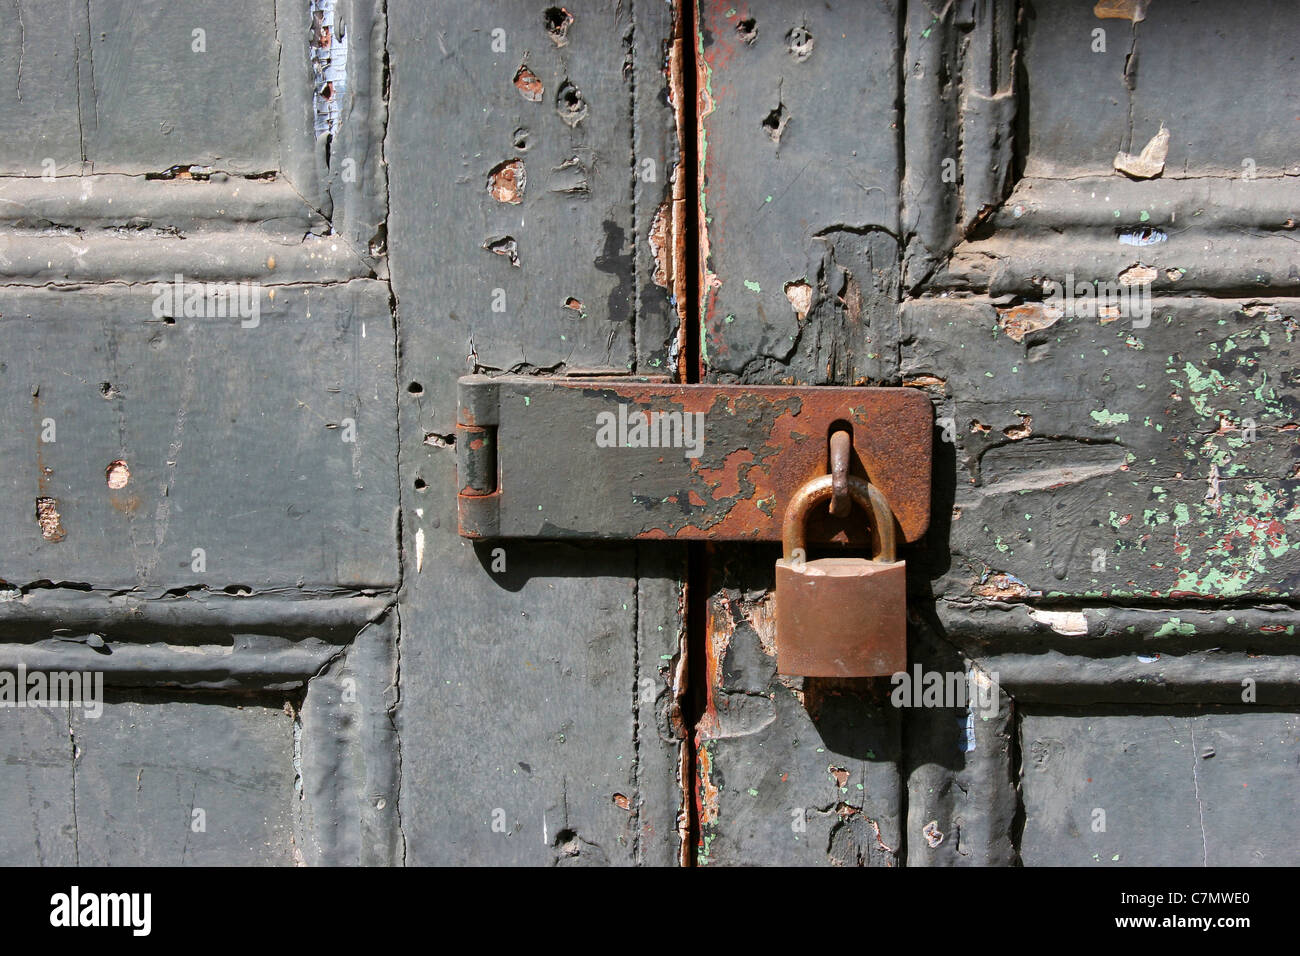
{"x": 752, "y": 286}
{"x": 1105, "y": 417}
{"x": 1176, "y": 626}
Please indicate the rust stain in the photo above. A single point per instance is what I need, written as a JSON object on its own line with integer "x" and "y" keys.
{"x": 128, "y": 505}
{"x": 893, "y": 448}
{"x": 728, "y": 483}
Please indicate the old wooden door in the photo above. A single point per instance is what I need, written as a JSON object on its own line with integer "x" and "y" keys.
{"x": 1072, "y": 224}
{"x": 249, "y": 247}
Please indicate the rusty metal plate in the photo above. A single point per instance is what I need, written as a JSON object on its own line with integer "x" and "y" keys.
{"x": 639, "y": 459}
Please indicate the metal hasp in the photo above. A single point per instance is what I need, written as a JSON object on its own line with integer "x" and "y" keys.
{"x": 638, "y": 459}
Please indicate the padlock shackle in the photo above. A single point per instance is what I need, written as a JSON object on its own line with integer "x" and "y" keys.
{"x": 812, "y": 493}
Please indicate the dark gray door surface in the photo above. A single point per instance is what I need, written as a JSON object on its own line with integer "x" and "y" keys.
{"x": 248, "y": 247}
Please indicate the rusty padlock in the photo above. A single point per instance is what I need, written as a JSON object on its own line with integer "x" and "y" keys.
{"x": 840, "y": 617}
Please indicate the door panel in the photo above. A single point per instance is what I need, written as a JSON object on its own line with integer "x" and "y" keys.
{"x": 200, "y": 469}
{"x": 799, "y": 166}
{"x": 235, "y": 768}
{"x": 1103, "y": 478}
{"x": 537, "y": 679}
{"x": 1218, "y": 774}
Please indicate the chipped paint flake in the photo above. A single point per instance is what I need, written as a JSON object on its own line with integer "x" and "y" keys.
{"x": 1104, "y": 417}
{"x": 1134, "y": 11}
{"x": 1137, "y": 274}
{"x": 1020, "y": 320}
{"x": 47, "y": 516}
{"x": 1069, "y": 623}
{"x": 329, "y": 65}
{"x": 528, "y": 84}
{"x": 800, "y": 294}
{"x": 506, "y": 181}
{"x": 117, "y": 474}
{"x": 1150, "y": 162}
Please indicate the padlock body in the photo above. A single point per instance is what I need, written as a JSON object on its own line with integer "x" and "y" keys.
{"x": 841, "y": 617}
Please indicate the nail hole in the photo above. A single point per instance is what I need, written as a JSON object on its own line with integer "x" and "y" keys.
{"x": 528, "y": 84}
{"x": 775, "y": 122}
{"x": 570, "y": 104}
{"x": 747, "y": 30}
{"x": 415, "y": 388}
{"x": 558, "y": 20}
{"x": 419, "y": 484}
{"x": 117, "y": 474}
{"x": 505, "y": 246}
{"x": 506, "y": 181}
{"x": 800, "y": 43}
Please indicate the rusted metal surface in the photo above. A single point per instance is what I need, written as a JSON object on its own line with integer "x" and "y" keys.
{"x": 865, "y": 495}
{"x": 840, "y": 617}
{"x": 841, "y": 451}
{"x": 571, "y": 463}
